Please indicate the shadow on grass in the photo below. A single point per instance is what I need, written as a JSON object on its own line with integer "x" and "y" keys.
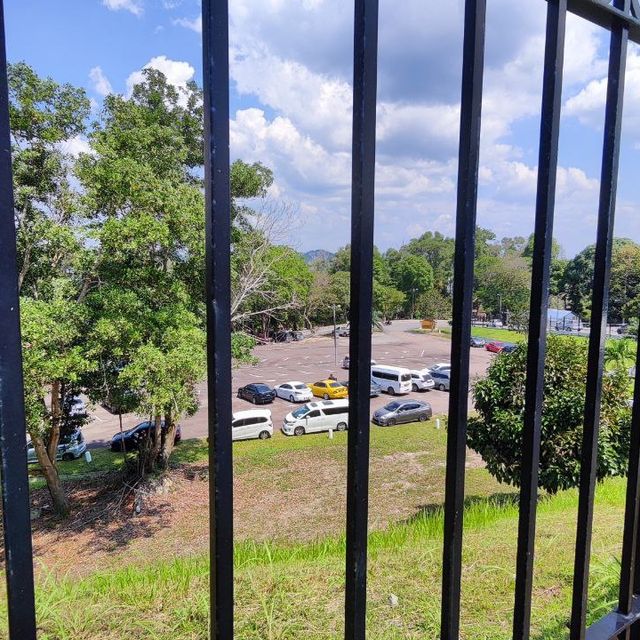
{"x": 490, "y": 504}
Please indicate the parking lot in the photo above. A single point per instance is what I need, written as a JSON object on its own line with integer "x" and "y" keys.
{"x": 310, "y": 360}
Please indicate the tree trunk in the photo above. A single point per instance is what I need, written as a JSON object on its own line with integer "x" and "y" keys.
{"x": 56, "y": 417}
{"x": 169, "y": 439}
{"x": 60, "y": 501}
{"x": 154, "y": 450}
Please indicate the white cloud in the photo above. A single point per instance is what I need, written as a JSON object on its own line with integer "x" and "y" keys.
{"x": 133, "y": 6}
{"x": 177, "y": 72}
{"x": 195, "y": 24}
{"x": 75, "y": 146}
{"x": 101, "y": 84}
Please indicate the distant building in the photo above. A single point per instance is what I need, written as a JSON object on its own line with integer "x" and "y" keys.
{"x": 563, "y": 320}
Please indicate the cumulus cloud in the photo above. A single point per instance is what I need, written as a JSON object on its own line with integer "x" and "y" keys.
{"x": 75, "y": 146}
{"x": 194, "y": 24}
{"x": 133, "y": 6}
{"x": 178, "y": 73}
{"x": 101, "y": 84}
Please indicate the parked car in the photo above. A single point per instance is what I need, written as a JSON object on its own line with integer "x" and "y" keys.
{"x": 254, "y": 423}
{"x": 294, "y": 391}
{"x": 508, "y": 347}
{"x": 392, "y": 379}
{"x": 477, "y": 342}
{"x": 257, "y": 392}
{"x": 287, "y": 335}
{"x": 134, "y": 436}
{"x": 346, "y": 360}
{"x": 314, "y": 417}
{"x": 328, "y": 389}
{"x": 401, "y": 411}
{"x": 70, "y": 447}
{"x": 494, "y": 347}
{"x": 441, "y": 379}
{"x": 421, "y": 380}
{"x": 374, "y": 391}
{"x": 341, "y": 332}
{"x": 496, "y": 323}
{"x": 76, "y": 407}
{"x": 440, "y": 366}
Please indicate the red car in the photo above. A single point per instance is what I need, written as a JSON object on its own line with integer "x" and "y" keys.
{"x": 495, "y": 346}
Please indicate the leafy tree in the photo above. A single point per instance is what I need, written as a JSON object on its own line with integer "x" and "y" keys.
{"x": 387, "y": 301}
{"x": 51, "y": 258}
{"x": 496, "y": 432}
{"x": 619, "y": 354}
{"x": 439, "y": 251}
{"x": 503, "y": 284}
{"x": 411, "y": 274}
{"x": 432, "y": 305}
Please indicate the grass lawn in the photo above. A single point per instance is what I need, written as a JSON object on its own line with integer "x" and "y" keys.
{"x": 292, "y": 591}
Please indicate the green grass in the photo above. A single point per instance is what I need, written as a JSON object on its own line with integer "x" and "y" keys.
{"x": 296, "y": 591}
{"x": 492, "y": 333}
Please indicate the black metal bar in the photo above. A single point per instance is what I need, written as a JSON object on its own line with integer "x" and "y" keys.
{"x": 607, "y": 16}
{"x": 537, "y": 344}
{"x": 215, "y": 36}
{"x": 469, "y": 155}
{"x": 365, "y": 61}
{"x": 615, "y": 624}
{"x": 13, "y": 454}
{"x": 629, "y": 559}
{"x": 602, "y": 267}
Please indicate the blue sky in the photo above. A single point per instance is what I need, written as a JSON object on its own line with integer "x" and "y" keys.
{"x": 291, "y": 104}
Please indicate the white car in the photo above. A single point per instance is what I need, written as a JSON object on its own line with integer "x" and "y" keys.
{"x": 421, "y": 380}
{"x": 77, "y": 407}
{"x": 254, "y": 423}
{"x": 346, "y": 359}
{"x": 440, "y": 366}
{"x": 294, "y": 391}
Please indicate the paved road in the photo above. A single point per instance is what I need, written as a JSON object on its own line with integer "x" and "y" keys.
{"x": 311, "y": 360}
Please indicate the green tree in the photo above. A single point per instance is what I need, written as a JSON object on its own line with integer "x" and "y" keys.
{"x": 387, "y": 301}
{"x": 432, "y": 305}
{"x": 503, "y": 284}
{"x": 51, "y": 257}
{"x": 496, "y": 432}
{"x": 439, "y": 251}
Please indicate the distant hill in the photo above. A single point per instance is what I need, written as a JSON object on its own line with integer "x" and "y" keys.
{"x": 316, "y": 255}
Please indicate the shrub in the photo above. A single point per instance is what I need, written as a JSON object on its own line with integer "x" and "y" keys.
{"x": 496, "y": 432}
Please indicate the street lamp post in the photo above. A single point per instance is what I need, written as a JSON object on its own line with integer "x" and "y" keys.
{"x": 335, "y": 336}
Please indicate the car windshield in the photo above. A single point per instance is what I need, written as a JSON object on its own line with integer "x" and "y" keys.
{"x": 392, "y": 406}
{"x": 262, "y": 388}
{"x": 301, "y": 386}
{"x": 335, "y": 385}
{"x": 426, "y": 377}
{"x": 405, "y": 377}
{"x": 300, "y": 412}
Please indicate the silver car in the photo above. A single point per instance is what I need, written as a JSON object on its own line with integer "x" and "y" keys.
{"x": 71, "y": 447}
{"x": 401, "y": 411}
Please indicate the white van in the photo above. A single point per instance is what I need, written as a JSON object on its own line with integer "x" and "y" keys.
{"x": 392, "y": 379}
{"x": 314, "y": 417}
{"x": 254, "y": 423}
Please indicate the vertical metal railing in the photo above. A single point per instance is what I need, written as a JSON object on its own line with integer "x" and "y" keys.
{"x": 362, "y": 217}
{"x": 536, "y": 349}
{"x": 215, "y": 46}
{"x": 468, "y": 163}
{"x": 602, "y": 267}
{"x": 13, "y": 458}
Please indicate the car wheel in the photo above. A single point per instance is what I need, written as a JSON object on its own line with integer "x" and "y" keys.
{"x": 264, "y": 435}
{"x": 391, "y": 391}
{"x": 391, "y": 422}
{"x": 441, "y": 387}
{"x": 341, "y": 426}
{"x": 67, "y": 457}
{"x": 423, "y": 417}
{"x": 298, "y": 431}
{"x": 414, "y": 387}
{"x": 325, "y": 396}
{"x": 291, "y": 399}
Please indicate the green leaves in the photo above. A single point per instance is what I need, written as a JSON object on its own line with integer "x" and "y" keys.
{"x": 496, "y": 432}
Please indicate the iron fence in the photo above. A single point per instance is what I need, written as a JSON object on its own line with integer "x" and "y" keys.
{"x": 622, "y": 19}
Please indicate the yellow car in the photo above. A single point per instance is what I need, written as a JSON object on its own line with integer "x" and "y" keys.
{"x": 328, "y": 389}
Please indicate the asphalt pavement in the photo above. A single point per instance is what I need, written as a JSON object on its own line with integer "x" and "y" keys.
{"x": 309, "y": 360}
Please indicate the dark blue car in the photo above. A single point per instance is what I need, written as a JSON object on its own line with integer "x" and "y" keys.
{"x": 133, "y": 437}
